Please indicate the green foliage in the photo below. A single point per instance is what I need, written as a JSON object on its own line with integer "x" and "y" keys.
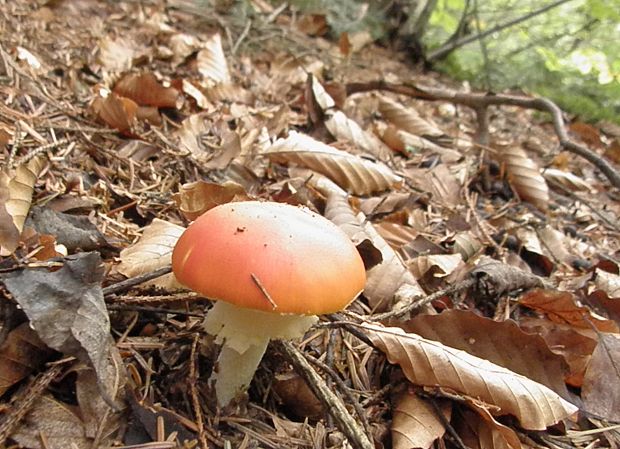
{"x": 570, "y": 53}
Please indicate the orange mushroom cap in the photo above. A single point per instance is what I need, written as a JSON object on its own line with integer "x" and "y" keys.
{"x": 269, "y": 256}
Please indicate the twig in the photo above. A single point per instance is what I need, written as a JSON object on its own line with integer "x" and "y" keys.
{"x": 193, "y": 380}
{"x": 481, "y": 100}
{"x": 26, "y": 399}
{"x": 450, "y": 46}
{"x": 351, "y": 429}
{"x": 345, "y": 390}
{"x": 132, "y": 282}
{"x": 420, "y": 301}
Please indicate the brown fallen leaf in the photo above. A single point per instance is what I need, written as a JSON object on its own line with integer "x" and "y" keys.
{"x": 152, "y": 251}
{"x": 21, "y": 353}
{"x": 60, "y": 425}
{"x": 195, "y": 198}
{"x": 115, "y": 111}
{"x": 66, "y": 309}
{"x": 407, "y": 119}
{"x": 481, "y": 431}
{"x": 211, "y": 61}
{"x": 524, "y": 176}
{"x": 16, "y": 191}
{"x": 387, "y": 278}
{"x": 343, "y": 128}
{"x": 502, "y": 343}
{"x": 415, "y": 423}
{"x": 560, "y": 307}
{"x": 145, "y": 90}
{"x": 429, "y": 363}
{"x": 116, "y": 55}
{"x": 600, "y": 392}
{"x": 352, "y": 173}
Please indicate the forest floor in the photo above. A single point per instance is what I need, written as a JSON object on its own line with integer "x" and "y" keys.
{"x": 491, "y": 312}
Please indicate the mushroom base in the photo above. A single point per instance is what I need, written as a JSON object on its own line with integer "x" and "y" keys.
{"x": 244, "y": 335}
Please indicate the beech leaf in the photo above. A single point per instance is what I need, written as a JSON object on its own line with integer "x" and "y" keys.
{"x": 415, "y": 423}
{"x": 430, "y": 363}
{"x": 16, "y": 191}
{"x": 352, "y": 173}
{"x": 525, "y": 178}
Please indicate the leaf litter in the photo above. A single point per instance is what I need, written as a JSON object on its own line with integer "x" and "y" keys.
{"x": 492, "y": 264}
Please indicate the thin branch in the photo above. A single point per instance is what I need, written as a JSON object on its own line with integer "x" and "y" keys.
{"x": 447, "y": 48}
{"x": 481, "y": 100}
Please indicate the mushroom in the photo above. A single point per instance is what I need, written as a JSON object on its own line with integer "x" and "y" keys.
{"x": 272, "y": 268}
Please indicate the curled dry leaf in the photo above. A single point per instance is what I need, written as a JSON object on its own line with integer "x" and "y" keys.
{"x": 152, "y": 251}
{"x": 560, "y": 307}
{"x": 567, "y": 180}
{"x": 435, "y": 265}
{"x": 116, "y": 112}
{"x": 410, "y": 144}
{"x": 61, "y": 426}
{"x": 195, "y": 198}
{"x": 16, "y": 191}
{"x": 466, "y": 244}
{"x": 599, "y": 392}
{"x": 21, "y": 353}
{"x": 352, "y": 173}
{"x": 385, "y": 279}
{"x": 116, "y": 55}
{"x": 608, "y": 282}
{"x": 212, "y": 63}
{"x": 525, "y": 178}
{"x": 494, "y": 279}
{"x": 502, "y": 343}
{"x": 429, "y": 363}
{"x": 407, "y": 119}
{"x": 66, "y": 309}
{"x": 481, "y": 431}
{"x": 229, "y": 92}
{"x": 415, "y": 423}
{"x": 322, "y": 98}
{"x": 145, "y": 90}
{"x": 343, "y": 128}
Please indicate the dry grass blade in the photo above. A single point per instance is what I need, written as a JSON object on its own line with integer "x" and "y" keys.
{"x": 16, "y": 191}
{"x": 212, "y": 61}
{"x": 407, "y": 119}
{"x": 429, "y": 363}
{"x": 343, "y": 128}
{"x": 525, "y": 178}
{"x": 352, "y": 173}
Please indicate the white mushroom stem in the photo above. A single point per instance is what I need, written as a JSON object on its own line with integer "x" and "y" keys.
{"x": 244, "y": 335}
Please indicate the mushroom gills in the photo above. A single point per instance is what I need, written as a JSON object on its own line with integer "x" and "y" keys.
{"x": 244, "y": 335}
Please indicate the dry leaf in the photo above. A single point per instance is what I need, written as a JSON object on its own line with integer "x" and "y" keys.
{"x": 343, "y": 128}
{"x": 566, "y": 179}
{"x": 600, "y": 392}
{"x": 574, "y": 345}
{"x": 435, "y": 265}
{"x": 116, "y": 55}
{"x": 195, "y": 198}
{"x": 313, "y": 24}
{"x": 466, "y": 244}
{"x": 608, "y": 282}
{"x": 410, "y": 144}
{"x": 145, "y": 90}
{"x": 16, "y": 191}
{"x": 344, "y": 45}
{"x": 62, "y": 428}
{"x": 116, "y": 112}
{"x": 152, "y": 251}
{"x": 385, "y": 279}
{"x": 352, "y": 173}
{"x": 21, "y": 353}
{"x": 560, "y": 307}
{"x": 66, "y": 309}
{"x": 429, "y": 363}
{"x": 481, "y": 431}
{"x": 407, "y": 119}
{"x": 525, "y": 178}
{"x": 212, "y": 63}
{"x": 415, "y": 423}
{"x": 502, "y": 343}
